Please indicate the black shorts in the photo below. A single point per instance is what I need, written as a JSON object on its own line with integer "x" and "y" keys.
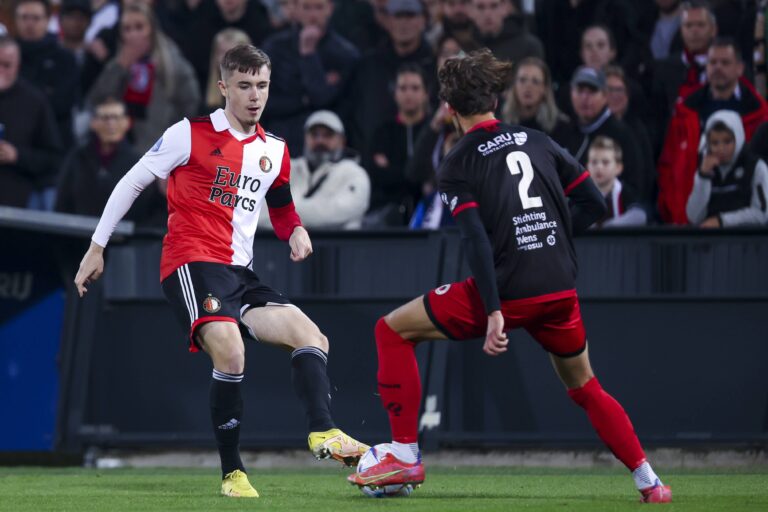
{"x": 201, "y": 292}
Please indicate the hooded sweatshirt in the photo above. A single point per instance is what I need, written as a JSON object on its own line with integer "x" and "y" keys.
{"x": 737, "y": 191}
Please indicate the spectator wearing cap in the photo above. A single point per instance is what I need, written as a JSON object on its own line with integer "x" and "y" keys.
{"x": 30, "y": 148}
{"x": 394, "y": 144}
{"x": 46, "y": 64}
{"x": 726, "y": 89}
{"x": 503, "y": 32}
{"x": 372, "y": 92}
{"x": 593, "y": 119}
{"x": 329, "y": 188}
{"x": 311, "y": 69}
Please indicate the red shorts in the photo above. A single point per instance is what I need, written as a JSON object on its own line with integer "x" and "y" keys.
{"x": 554, "y": 320}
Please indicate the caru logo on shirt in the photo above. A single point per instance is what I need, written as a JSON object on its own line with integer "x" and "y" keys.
{"x": 502, "y": 140}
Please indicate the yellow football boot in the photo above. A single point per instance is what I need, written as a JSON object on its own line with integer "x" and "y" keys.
{"x": 236, "y": 485}
{"x": 335, "y": 444}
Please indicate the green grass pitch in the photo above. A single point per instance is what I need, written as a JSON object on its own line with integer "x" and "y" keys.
{"x": 446, "y": 489}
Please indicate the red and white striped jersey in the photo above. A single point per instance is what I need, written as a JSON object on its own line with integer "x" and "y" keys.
{"x": 217, "y": 181}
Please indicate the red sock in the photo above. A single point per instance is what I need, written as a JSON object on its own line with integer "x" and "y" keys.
{"x": 610, "y": 422}
{"x": 399, "y": 383}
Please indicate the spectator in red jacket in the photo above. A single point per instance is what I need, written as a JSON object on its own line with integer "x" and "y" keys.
{"x": 726, "y": 89}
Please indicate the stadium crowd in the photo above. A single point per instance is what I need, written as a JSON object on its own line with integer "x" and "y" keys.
{"x": 662, "y": 100}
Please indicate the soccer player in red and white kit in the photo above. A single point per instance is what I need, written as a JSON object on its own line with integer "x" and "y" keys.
{"x": 221, "y": 169}
{"x": 516, "y": 197}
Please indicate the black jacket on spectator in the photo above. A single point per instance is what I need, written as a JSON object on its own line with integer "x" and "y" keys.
{"x": 196, "y": 45}
{"x": 373, "y": 90}
{"x": 354, "y": 21}
{"x": 299, "y": 84}
{"x": 87, "y": 180}
{"x": 637, "y": 171}
{"x": 513, "y": 43}
{"x": 397, "y": 142}
{"x": 31, "y": 128}
{"x": 759, "y": 143}
{"x": 560, "y": 27}
{"x": 55, "y": 72}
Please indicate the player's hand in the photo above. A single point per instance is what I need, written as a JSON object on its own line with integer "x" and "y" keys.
{"x": 711, "y": 222}
{"x": 90, "y": 269}
{"x": 301, "y": 245}
{"x": 495, "y": 338}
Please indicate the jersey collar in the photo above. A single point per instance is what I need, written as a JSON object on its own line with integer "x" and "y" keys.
{"x": 488, "y": 125}
{"x": 221, "y": 123}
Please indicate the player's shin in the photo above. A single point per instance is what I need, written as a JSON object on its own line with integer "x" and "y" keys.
{"x": 310, "y": 382}
{"x": 610, "y": 422}
{"x": 399, "y": 382}
{"x": 226, "y": 414}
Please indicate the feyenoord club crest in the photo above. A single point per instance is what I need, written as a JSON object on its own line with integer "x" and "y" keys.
{"x": 211, "y": 304}
{"x": 265, "y": 163}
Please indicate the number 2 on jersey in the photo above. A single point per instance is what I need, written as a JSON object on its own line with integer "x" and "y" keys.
{"x": 519, "y": 161}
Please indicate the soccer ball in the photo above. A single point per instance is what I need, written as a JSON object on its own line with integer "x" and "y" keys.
{"x": 372, "y": 457}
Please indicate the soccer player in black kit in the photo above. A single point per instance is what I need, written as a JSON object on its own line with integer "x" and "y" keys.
{"x": 517, "y": 197}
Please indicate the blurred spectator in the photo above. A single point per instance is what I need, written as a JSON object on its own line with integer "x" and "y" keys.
{"x": 560, "y": 25}
{"x": 666, "y": 28}
{"x": 503, "y": 32}
{"x": 358, "y": 22}
{"x": 630, "y": 110}
{"x": 91, "y": 171}
{"x": 30, "y": 147}
{"x": 214, "y": 16}
{"x": 150, "y": 75}
{"x": 594, "y": 118}
{"x": 682, "y": 73}
{"x": 605, "y": 166}
{"x": 106, "y": 13}
{"x": 372, "y": 89}
{"x": 726, "y": 89}
{"x": 330, "y": 189}
{"x": 177, "y": 16}
{"x": 759, "y": 143}
{"x": 392, "y": 195}
{"x": 455, "y": 22}
{"x": 311, "y": 68}
{"x": 760, "y": 70}
{"x": 730, "y": 186}
{"x": 46, "y": 64}
{"x": 222, "y": 43}
{"x": 74, "y": 18}
{"x": 432, "y": 144}
{"x": 530, "y": 101}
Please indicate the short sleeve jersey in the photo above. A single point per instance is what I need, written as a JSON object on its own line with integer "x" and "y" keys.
{"x": 518, "y": 178}
{"x": 217, "y": 181}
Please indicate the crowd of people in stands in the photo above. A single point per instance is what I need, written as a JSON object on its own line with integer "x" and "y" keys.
{"x": 662, "y": 100}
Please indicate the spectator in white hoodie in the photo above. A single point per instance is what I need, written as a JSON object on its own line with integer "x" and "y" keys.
{"x": 730, "y": 186}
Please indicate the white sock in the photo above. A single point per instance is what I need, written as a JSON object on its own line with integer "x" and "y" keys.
{"x": 645, "y": 477}
{"x": 406, "y": 452}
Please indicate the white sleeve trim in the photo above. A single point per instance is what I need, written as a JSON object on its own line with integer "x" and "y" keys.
{"x": 125, "y": 193}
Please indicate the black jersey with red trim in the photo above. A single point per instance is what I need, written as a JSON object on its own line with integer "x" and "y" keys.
{"x": 518, "y": 179}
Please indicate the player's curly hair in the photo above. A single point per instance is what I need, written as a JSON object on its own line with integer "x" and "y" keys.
{"x": 244, "y": 58}
{"x": 471, "y": 84}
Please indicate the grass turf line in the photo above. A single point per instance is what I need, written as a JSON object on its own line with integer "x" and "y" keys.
{"x": 446, "y": 489}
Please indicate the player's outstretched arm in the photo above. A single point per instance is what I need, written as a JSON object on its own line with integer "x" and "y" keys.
{"x": 91, "y": 268}
{"x": 125, "y": 193}
{"x": 301, "y": 245}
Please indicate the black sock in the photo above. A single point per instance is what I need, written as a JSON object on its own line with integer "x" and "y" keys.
{"x": 310, "y": 382}
{"x": 226, "y": 413}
